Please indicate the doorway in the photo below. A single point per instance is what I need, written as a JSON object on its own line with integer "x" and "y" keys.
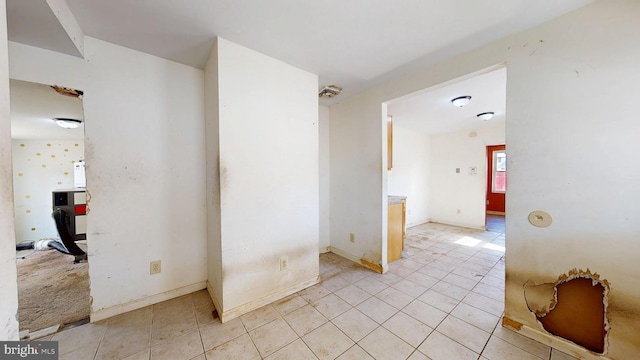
{"x": 48, "y": 164}
{"x": 496, "y": 179}
{"x": 440, "y": 148}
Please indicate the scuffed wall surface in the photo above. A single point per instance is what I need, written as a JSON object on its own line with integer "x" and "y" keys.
{"x": 39, "y": 167}
{"x": 357, "y": 191}
{"x": 145, "y": 153}
{"x": 571, "y": 143}
{"x": 269, "y": 192}
{"x": 145, "y": 156}
{"x": 8, "y": 277}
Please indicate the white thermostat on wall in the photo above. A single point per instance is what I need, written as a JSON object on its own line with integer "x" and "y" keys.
{"x": 473, "y": 170}
{"x": 79, "y": 179}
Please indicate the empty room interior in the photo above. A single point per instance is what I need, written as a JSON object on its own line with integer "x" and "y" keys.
{"x": 340, "y": 180}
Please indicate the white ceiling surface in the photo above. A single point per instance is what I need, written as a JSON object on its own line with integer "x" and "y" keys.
{"x": 33, "y": 106}
{"x": 33, "y": 23}
{"x": 431, "y": 111}
{"x": 355, "y": 44}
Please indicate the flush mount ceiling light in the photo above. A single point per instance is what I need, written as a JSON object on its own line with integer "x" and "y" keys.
{"x": 485, "y": 115}
{"x": 329, "y": 91}
{"x": 461, "y": 101}
{"x": 67, "y": 123}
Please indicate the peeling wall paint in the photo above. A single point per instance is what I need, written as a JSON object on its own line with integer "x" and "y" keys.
{"x": 262, "y": 135}
{"x": 571, "y": 143}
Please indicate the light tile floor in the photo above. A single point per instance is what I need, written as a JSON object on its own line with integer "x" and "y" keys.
{"x": 442, "y": 300}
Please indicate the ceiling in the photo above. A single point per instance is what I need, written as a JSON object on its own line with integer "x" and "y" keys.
{"x": 33, "y": 107}
{"x": 430, "y": 111}
{"x": 355, "y": 44}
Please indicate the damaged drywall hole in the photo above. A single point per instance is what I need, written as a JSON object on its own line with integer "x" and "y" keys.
{"x": 68, "y": 91}
{"x": 573, "y": 308}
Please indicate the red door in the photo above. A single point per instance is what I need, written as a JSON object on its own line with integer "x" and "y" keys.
{"x": 496, "y": 178}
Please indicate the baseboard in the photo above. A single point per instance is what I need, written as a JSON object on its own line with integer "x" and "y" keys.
{"x": 418, "y": 223}
{"x": 452, "y": 223}
{"x": 145, "y": 301}
{"x": 325, "y": 249}
{"x": 265, "y": 300}
{"x": 491, "y": 212}
{"x": 214, "y": 298}
{"x": 551, "y": 340}
{"x": 381, "y": 269}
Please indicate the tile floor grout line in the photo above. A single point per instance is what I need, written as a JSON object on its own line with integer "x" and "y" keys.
{"x": 412, "y": 271}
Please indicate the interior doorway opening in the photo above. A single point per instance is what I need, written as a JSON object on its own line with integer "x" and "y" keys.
{"x": 47, "y": 132}
{"x": 437, "y": 149}
{"x": 496, "y": 179}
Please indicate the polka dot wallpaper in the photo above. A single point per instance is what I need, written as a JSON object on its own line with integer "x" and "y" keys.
{"x": 39, "y": 167}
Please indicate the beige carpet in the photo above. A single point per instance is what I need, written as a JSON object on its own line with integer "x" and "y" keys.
{"x": 51, "y": 289}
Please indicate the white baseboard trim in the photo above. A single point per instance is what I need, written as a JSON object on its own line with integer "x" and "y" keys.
{"x": 381, "y": 269}
{"x": 325, "y": 249}
{"x": 265, "y": 300}
{"x": 452, "y": 223}
{"x": 214, "y": 298}
{"x": 408, "y": 225}
{"x": 145, "y": 301}
{"x": 555, "y": 342}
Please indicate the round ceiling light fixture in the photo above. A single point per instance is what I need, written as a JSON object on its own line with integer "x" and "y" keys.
{"x": 485, "y": 115}
{"x": 67, "y": 123}
{"x": 461, "y": 101}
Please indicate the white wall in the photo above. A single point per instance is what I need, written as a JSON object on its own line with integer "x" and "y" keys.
{"x": 145, "y": 153}
{"x": 269, "y": 180}
{"x": 324, "y": 129}
{"x": 410, "y": 175}
{"x": 570, "y": 140}
{"x": 8, "y": 277}
{"x": 451, "y": 191}
{"x": 39, "y": 167}
{"x": 212, "y": 140}
{"x": 358, "y": 193}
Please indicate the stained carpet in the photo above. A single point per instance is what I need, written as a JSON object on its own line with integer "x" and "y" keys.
{"x": 51, "y": 289}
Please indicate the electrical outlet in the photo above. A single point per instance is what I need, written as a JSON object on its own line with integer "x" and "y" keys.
{"x": 155, "y": 267}
{"x": 284, "y": 263}
{"x": 352, "y": 237}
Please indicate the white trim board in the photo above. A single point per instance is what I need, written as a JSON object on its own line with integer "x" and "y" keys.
{"x": 258, "y": 303}
{"x": 145, "y": 301}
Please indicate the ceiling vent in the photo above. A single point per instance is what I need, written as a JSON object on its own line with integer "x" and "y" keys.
{"x": 329, "y": 91}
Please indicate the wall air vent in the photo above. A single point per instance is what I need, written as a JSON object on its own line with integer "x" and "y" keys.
{"x": 329, "y": 91}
